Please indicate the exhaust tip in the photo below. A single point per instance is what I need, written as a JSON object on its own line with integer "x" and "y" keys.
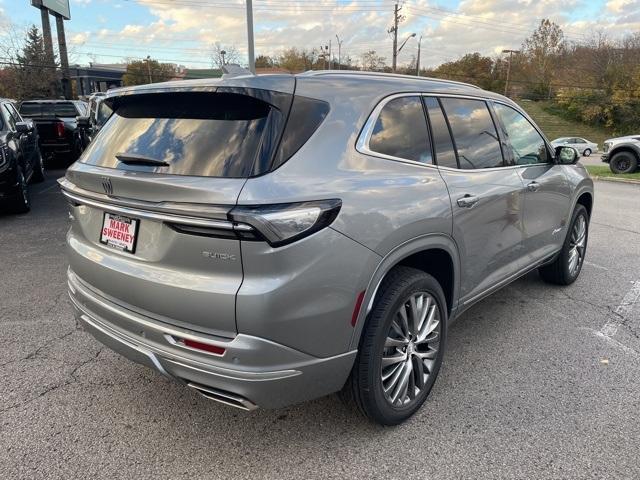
{"x": 223, "y": 396}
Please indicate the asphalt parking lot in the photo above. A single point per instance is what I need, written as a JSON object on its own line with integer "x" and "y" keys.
{"x": 538, "y": 382}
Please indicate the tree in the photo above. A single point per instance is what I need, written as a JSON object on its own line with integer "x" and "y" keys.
{"x": 34, "y": 72}
{"x": 140, "y": 72}
{"x": 544, "y": 50}
{"x": 221, "y": 56}
{"x": 296, "y": 60}
{"x": 264, "y": 61}
{"x": 372, "y": 61}
{"x": 472, "y": 68}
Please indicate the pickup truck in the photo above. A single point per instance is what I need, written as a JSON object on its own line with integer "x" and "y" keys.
{"x": 56, "y": 120}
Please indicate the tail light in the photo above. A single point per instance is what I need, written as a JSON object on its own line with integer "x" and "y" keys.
{"x": 60, "y": 129}
{"x": 285, "y": 223}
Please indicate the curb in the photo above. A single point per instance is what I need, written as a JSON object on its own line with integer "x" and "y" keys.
{"x": 616, "y": 180}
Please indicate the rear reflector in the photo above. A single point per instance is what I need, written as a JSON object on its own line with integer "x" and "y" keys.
{"x": 206, "y": 347}
{"x": 356, "y": 309}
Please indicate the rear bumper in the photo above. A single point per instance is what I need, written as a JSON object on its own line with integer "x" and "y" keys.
{"x": 252, "y": 372}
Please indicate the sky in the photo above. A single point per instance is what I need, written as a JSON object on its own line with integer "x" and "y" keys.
{"x": 182, "y": 31}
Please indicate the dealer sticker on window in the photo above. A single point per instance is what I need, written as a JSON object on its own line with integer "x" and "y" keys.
{"x": 119, "y": 232}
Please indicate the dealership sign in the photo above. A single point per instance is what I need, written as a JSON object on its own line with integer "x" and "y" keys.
{"x": 60, "y": 7}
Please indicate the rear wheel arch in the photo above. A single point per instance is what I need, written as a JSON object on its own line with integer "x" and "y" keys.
{"x": 434, "y": 254}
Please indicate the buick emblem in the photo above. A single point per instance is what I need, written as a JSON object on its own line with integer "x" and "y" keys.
{"x": 107, "y": 186}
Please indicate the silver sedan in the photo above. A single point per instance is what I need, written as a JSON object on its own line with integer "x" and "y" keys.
{"x": 582, "y": 145}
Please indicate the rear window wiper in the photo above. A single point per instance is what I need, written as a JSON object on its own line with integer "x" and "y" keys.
{"x": 135, "y": 159}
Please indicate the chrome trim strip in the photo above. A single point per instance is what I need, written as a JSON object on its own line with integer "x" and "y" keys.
{"x": 362, "y": 144}
{"x": 162, "y": 217}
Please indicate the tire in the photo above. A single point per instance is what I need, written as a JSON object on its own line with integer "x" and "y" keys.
{"x": 38, "y": 169}
{"x": 587, "y": 152}
{"x": 623, "y": 162}
{"x": 562, "y": 271}
{"x": 20, "y": 203}
{"x": 365, "y": 386}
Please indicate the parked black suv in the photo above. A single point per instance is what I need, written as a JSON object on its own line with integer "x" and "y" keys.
{"x": 20, "y": 158}
{"x": 60, "y": 134}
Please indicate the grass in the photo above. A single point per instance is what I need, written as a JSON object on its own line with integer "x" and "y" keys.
{"x": 604, "y": 171}
{"x": 555, "y": 126}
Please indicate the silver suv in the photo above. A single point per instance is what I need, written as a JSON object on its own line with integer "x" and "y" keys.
{"x": 271, "y": 239}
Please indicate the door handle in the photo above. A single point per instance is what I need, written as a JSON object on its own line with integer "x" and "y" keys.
{"x": 468, "y": 201}
{"x": 533, "y": 186}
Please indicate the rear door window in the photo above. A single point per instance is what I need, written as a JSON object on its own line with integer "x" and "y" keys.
{"x": 474, "y": 133}
{"x": 445, "y": 151}
{"x": 200, "y": 134}
{"x": 401, "y": 131}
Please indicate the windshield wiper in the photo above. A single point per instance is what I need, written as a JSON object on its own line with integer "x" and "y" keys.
{"x": 135, "y": 159}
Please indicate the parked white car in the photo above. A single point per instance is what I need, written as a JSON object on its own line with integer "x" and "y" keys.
{"x": 582, "y": 145}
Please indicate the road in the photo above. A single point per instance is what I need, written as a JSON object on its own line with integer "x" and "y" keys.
{"x": 538, "y": 382}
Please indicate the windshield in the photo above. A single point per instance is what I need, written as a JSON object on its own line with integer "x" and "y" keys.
{"x": 202, "y": 134}
{"x": 60, "y": 109}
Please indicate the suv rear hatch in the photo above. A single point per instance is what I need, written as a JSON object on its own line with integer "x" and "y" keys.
{"x": 150, "y": 197}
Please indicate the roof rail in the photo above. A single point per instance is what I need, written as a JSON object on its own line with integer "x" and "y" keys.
{"x": 315, "y": 73}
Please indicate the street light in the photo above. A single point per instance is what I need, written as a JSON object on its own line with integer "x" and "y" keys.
{"x": 405, "y": 41}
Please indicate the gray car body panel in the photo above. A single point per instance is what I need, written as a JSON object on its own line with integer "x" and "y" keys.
{"x": 301, "y": 297}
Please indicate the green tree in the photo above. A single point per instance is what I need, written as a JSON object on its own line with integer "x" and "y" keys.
{"x": 140, "y": 72}
{"x": 35, "y": 73}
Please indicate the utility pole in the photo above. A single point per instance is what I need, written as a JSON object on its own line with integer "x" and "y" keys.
{"x": 64, "y": 59}
{"x": 394, "y": 31}
{"x": 506, "y": 84}
{"x": 149, "y": 68}
{"x": 252, "y": 60}
{"x": 418, "y": 59}
{"x": 222, "y": 54}
{"x": 339, "y": 52}
{"x": 330, "y": 57}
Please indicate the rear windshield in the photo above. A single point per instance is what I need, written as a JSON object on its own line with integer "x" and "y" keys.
{"x": 62, "y": 109}
{"x": 200, "y": 134}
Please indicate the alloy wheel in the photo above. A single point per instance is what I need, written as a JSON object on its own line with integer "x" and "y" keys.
{"x": 410, "y": 349}
{"x": 577, "y": 244}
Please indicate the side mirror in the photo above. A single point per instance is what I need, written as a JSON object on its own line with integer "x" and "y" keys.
{"x": 83, "y": 121}
{"x": 23, "y": 127}
{"x": 567, "y": 155}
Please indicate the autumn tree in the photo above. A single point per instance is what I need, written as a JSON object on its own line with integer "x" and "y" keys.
{"x": 140, "y": 72}
{"x": 298, "y": 60}
{"x": 544, "y": 50}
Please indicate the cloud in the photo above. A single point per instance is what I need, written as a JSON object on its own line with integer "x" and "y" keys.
{"x": 486, "y": 26}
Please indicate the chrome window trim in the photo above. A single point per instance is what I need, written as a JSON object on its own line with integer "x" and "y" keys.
{"x": 362, "y": 144}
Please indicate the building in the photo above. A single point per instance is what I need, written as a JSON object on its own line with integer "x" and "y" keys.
{"x": 97, "y": 77}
